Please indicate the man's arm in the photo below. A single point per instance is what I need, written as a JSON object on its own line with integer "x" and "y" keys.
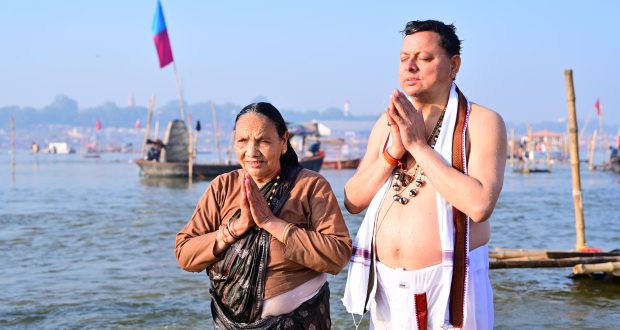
{"x": 371, "y": 173}
{"x": 474, "y": 194}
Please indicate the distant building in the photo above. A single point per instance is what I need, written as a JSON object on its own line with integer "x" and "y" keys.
{"x": 346, "y": 108}
{"x": 59, "y": 148}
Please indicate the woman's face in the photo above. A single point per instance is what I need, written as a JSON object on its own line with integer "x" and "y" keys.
{"x": 259, "y": 147}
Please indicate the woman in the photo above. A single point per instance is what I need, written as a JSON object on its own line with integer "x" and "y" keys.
{"x": 267, "y": 233}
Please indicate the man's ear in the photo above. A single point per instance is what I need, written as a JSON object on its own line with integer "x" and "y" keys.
{"x": 455, "y": 62}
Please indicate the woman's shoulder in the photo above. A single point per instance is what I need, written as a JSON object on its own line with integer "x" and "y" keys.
{"x": 226, "y": 179}
{"x": 306, "y": 174}
{"x": 309, "y": 179}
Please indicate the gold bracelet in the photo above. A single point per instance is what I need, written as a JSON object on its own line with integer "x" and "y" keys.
{"x": 223, "y": 234}
{"x": 231, "y": 229}
{"x": 287, "y": 229}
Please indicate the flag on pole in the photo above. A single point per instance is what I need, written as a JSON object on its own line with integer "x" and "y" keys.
{"x": 160, "y": 36}
{"x": 597, "y": 106}
{"x": 98, "y": 125}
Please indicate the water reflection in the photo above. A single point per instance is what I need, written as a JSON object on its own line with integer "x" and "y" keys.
{"x": 163, "y": 182}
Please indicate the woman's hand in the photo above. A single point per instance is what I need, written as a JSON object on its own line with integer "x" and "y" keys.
{"x": 244, "y": 222}
{"x": 255, "y": 202}
{"x": 409, "y": 121}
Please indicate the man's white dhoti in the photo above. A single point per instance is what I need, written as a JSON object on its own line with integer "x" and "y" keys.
{"x": 400, "y": 310}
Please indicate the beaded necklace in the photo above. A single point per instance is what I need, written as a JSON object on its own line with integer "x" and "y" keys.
{"x": 402, "y": 179}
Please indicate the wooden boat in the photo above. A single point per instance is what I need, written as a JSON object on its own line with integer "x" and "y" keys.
{"x": 174, "y": 158}
{"x": 206, "y": 171}
{"x": 614, "y": 164}
{"x": 342, "y": 164}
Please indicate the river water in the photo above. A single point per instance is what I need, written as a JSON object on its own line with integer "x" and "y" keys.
{"x": 89, "y": 244}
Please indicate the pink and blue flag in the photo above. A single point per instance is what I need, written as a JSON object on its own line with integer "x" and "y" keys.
{"x": 160, "y": 36}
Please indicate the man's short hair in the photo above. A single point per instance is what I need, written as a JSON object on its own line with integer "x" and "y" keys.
{"x": 447, "y": 34}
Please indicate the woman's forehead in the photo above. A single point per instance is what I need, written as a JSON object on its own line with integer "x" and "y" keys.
{"x": 255, "y": 123}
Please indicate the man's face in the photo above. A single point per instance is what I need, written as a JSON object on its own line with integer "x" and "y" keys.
{"x": 425, "y": 68}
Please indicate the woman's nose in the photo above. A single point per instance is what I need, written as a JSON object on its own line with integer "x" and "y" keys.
{"x": 252, "y": 148}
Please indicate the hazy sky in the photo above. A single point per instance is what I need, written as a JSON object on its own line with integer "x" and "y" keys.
{"x": 308, "y": 54}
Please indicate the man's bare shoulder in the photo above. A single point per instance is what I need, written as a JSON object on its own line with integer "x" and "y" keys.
{"x": 483, "y": 119}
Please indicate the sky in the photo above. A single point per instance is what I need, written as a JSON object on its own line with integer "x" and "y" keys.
{"x": 305, "y": 55}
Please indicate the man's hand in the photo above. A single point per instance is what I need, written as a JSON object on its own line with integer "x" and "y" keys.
{"x": 408, "y": 119}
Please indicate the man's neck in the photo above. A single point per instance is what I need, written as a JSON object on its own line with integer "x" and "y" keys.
{"x": 433, "y": 103}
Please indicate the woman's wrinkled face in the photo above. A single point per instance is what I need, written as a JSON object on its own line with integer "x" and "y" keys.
{"x": 258, "y": 146}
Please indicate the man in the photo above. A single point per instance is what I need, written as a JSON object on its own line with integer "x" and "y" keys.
{"x": 431, "y": 177}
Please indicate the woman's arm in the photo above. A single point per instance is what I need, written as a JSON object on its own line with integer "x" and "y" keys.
{"x": 326, "y": 245}
{"x": 197, "y": 245}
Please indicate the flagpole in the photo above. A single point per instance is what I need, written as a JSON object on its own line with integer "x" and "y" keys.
{"x": 179, "y": 90}
{"x": 216, "y": 133}
{"x": 602, "y": 138}
{"x": 147, "y": 132}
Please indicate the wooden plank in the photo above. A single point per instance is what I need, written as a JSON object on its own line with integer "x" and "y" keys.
{"x": 549, "y": 263}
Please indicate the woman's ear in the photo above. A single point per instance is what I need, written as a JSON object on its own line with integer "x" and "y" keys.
{"x": 285, "y": 142}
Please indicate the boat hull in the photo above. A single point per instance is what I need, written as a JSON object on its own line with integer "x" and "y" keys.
{"x": 615, "y": 164}
{"x": 341, "y": 164}
{"x": 206, "y": 171}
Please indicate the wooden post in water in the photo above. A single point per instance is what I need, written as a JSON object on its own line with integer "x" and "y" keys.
{"x": 591, "y": 148}
{"x": 530, "y": 151}
{"x": 156, "y": 135}
{"x": 603, "y": 135}
{"x": 574, "y": 160}
{"x": 190, "y": 161}
{"x": 12, "y": 124}
{"x": 149, "y": 117}
{"x": 547, "y": 149}
{"x": 216, "y": 134}
{"x": 231, "y": 148}
{"x": 512, "y": 147}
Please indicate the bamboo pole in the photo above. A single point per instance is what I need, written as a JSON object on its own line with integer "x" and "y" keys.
{"x": 149, "y": 117}
{"x": 231, "y": 148}
{"x": 179, "y": 90}
{"x": 530, "y": 151}
{"x": 12, "y": 124}
{"x": 216, "y": 133}
{"x": 190, "y": 161}
{"x": 509, "y": 254}
{"x": 156, "y": 135}
{"x": 503, "y": 254}
{"x": 512, "y": 147}
{"x": 13, "y": 153}
{"x": 549, "y": 263}
{"x": 608, "y": 267}
{"x": 547, "y": 148}
{"x": 591, "y": 148}
{"x": 603, "y": 137}
{"x": 574, "y": 161}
